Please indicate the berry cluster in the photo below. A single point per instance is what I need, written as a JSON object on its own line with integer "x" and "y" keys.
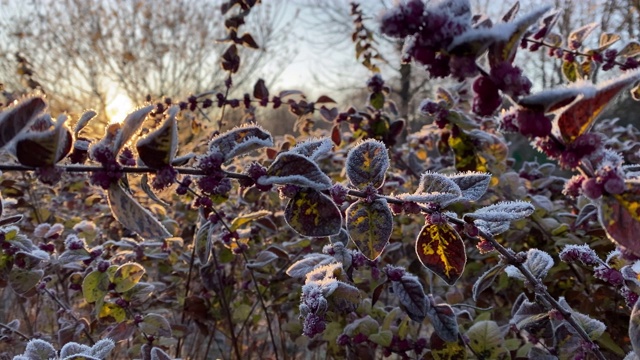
{"x": 164, "y": 178}
{"x": 112, "y": 171}
{"x": 429, "y": 31}
{"x": 313, "y": 307}
{"x": 438, "y": 110}
{"x": 214, "y": 181}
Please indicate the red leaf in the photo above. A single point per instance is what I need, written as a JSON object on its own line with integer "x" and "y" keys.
{"x": 260, "y": 90}
{"x": 325, "y": 99}
{"x": 441, "y": 250}
{"x": 620, "y": 217}
{"x": 336, "y": 136}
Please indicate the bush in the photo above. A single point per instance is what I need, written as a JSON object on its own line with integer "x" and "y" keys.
{"x": 328, "y": 242}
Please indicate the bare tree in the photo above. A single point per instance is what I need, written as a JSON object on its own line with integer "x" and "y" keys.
{"x": 84, "y": 52}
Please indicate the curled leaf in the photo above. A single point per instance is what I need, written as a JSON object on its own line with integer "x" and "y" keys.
{"x": 241, "y": 140}
{"x": 17, "y": 118}
{"x": 133, "y": 216}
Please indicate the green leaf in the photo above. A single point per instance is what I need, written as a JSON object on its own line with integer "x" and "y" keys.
{"x": 485, "y": 339}
{"x": 23, "y": 281}
{"x": 367, "y": 164}
{"x": 95, "y": 286}
{"x": 570, "y": 70}
{"x": 443, "y": 350}
{"x": 242, "y": 220}
{"x": 156, "y": 325}
{"x": 376, "y": 100}
{"x": 312, "y": 213}
{"x": 382, "y": 337}
{"x": 370, "y": 226}
{"x": 133, "y": 216}
{"x": 127, "y": 275}
{"x": 112, "y": 312}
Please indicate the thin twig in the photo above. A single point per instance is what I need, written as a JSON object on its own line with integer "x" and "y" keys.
{"x": 17, "y": 332}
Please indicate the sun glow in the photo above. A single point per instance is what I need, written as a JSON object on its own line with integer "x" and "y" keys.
{"x": 118, "y": 108}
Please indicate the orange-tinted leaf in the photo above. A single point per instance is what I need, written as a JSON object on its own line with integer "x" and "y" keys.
{"x": 575, "y": 119}
{"x": 581, "y": 34}
{"x": 441, "y": 250}
{"x": 607, "y": 39}
{"x": 620, "y": 217}
{"x": 336, "y": 136}
{"x": 370, "y": 226}
{"x": 158, "y": 148}
{"x": 501, "y": 51}
{"x": 312, "y": 213}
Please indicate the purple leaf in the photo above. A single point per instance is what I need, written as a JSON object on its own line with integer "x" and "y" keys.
{"x": 133, "y": 216}
{"x": 443, "y": 320}
{"x": 15, "y": 119}
{"x": 370, "y": 226}
{"x": 410, "y": 292}
{"x": 367, "y": 164}
{"x": 158, "y": 148}
{"x": 241, "y": 140}
{"x": 295, "y": 169}
{"x": 486, "y": 279}
{"x": 312, "y": 213}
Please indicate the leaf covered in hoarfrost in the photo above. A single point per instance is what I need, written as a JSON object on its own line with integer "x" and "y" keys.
{"x": 493, "y": 227}
{"x": 312, "y": 213}
{"x": 133, "y": 216}
{"x": 634, "y": 327}
{"x": 434, "y": 187}
{"x": 486, "y": 279}
{"x": 594, "y": 328}
{"x": 410, "y": 292}
{"x": 295, "y": 169}
{"x": 129, "y": 127}
{"x": 17, "y": 118}
{"x": 472, "y": 184}
{"x": 538, "y": 263}
{"x": 301, "y": 268}
{"x": 370, "y": 226}
{"x": 313, "y": 148}
{"x": 44, "y": 148}
{"x": 241, "y": 140}
{"x": 367, "y": 164}
{"x": 84, "y": 120}
{"x": 502, "y": 211}
{"x": 38, "y": 349}
{"x": 444, "y": 322}
{"x": 158, "y": 148}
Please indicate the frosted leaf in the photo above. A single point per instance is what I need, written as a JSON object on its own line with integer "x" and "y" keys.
{"x": 434, "y": 187}
{"x": 73, "y": 348}
{"x": 538, "y": 263}
{"x": 84, "y": 120}
{"x": 493, "y": 227}
{"x": 159, "y": 354}
{"x": 313, "y": 148}
{"x": 634, "y": 327}
{"x": 323, "y": 272}
{"x": 594, "y": 328}
{"x": 295, "y": 169}
{"x": 472, "y": 184}
{"x": 240, "y": 140}
{"x": 17, "y": 118}
{"x": 502, "y": 211}
{"x": 486, "y": 279}
{"x": 129, "y": 127}
{"x": 367, "y": 164}
{"x": 300, "y": 268}
{"x": 134, "y": 216}
{"x": 410, "y": 292}
{"x": 39, "y": 350}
